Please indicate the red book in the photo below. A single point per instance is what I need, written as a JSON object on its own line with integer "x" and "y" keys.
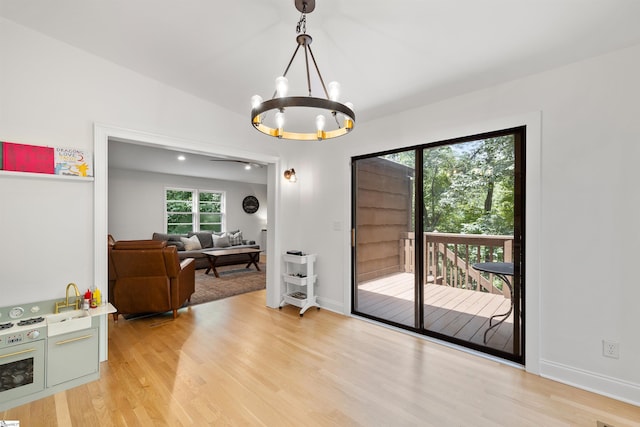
{"x": 27, "y": 158}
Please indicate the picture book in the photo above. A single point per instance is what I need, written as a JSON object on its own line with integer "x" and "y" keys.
{"x": 71, "y": 161}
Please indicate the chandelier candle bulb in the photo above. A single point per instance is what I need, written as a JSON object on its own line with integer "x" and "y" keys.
{"x": 282, "y": 87}
{"x": 256, "y": 100}
{"x": 348, "y": 122}
{"x": 280, "y": 119}
{"x": 279, "y": 123}
{"x": 334, "y": 91}
{"x": 320, "y": 122}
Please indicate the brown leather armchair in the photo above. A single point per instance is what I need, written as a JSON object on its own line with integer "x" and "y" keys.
{"x": 146, "y": 276}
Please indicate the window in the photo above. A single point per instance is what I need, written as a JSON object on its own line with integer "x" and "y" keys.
{"x": 193, "y": 210}
{"x": 211, "y": 211}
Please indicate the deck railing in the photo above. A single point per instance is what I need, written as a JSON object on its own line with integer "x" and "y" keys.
{"x": 448, "y": 258}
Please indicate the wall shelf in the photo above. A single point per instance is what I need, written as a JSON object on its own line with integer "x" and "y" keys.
{"x": 31, "y": 175}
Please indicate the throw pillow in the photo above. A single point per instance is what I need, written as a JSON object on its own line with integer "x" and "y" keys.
{"x": 204, "y": 237}
{"x": 221, "y": 241}
{"x": 191, "y": 243}
{"x": 235, "y": 238}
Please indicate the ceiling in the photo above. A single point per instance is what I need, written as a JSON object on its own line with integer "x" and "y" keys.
{"x": 129, "y": 155}
{"x": 388, "y": 55}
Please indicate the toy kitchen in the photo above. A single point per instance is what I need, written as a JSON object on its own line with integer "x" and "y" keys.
{"x": 47, "y": 347}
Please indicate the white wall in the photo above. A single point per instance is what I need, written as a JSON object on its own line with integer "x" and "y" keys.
{"x": 588, "y": 207}
{"x": 136, "y": 203}
{"x": 52, "y": 94}
{"x": 46, "y": 226}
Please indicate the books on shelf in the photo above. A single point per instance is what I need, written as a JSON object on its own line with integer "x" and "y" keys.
{"x": 15, "y": 157}
{"x": 27, "y": 158}
{"x": 73, "y": 162}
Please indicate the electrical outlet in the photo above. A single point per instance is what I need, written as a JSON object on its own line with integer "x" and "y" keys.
{"x": 611, "y": 349}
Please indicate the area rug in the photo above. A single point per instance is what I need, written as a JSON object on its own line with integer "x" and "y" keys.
{"x": 233, "y": 280}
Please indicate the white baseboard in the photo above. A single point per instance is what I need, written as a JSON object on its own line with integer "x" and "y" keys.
{"x": 331, "y": 305}
{"x": 615, "y": 388}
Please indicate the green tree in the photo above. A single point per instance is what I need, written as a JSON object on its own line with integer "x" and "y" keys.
{"x": 439, "y": 166}
{"x": 484, "y": 186}
{"x": 179, "y": 211}
{"x": 468, "y": 187}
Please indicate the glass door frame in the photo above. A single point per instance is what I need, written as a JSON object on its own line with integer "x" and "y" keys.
{"x": 518, "y": 279}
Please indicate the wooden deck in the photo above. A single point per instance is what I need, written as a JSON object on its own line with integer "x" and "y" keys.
{"x": 451, "y": 311}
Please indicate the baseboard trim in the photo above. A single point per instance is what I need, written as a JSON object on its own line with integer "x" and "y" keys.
{"x": 615, "y": 388}
{"x": 331, "y": 305}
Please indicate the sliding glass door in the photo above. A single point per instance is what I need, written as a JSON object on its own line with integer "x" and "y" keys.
{"x": 452, "y": 265}
{"x": 384, "y": 215}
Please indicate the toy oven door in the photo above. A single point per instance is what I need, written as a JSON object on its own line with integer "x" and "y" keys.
{"x": 21, "y": 370}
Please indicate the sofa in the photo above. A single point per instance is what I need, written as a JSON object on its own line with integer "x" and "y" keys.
{"x": 146, "y": 276}
{"x": 192, "y": 245}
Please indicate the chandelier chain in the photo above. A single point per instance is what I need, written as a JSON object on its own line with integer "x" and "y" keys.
{"x": 302, "y": 23}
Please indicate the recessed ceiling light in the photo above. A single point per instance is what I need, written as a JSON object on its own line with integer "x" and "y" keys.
{"x": 182, "y": 158}
{"x": 247, "y": 165}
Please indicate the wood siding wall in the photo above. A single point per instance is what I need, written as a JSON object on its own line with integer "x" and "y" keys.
{"x": 383, "y": 216}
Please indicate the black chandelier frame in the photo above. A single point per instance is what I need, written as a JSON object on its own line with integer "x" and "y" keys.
{"x": 282, "y": 103}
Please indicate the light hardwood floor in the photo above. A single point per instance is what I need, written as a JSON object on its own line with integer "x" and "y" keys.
{"x": 235, "y": 362}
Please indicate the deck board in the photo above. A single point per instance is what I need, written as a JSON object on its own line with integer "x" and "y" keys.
{"x": 459, "y": 313}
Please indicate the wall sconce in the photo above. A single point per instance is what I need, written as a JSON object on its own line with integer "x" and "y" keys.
{"x": 290, "y": 175}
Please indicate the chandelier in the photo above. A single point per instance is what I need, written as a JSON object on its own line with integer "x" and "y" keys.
{"x": 269, "y": 116}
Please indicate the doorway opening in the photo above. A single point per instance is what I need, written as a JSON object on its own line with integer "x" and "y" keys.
{"x": 102, "y": 135}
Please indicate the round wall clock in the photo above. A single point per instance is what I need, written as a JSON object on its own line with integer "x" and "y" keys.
{"x": 250, "y": 204}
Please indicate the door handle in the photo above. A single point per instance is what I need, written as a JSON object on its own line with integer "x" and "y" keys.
{"x": 17, "y": 353}
{"x": 84, "y": 337}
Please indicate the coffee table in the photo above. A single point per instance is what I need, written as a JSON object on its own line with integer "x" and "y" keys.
{"x": 252, "y": 257}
